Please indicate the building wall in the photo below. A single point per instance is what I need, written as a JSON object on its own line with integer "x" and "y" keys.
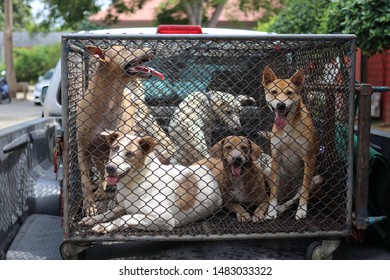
{"x": 378, "y": 74}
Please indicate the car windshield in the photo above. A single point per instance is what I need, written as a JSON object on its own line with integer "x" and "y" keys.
{"x": 186, "y": 71}
{"x": 48, "y": 75}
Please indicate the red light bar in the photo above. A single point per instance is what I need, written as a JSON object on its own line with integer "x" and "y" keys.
{"x": 179, "y": 29}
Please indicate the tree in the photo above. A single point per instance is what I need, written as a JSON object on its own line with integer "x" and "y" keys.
{"x": 22, "y": 16}
{"x": 65, "y": 15}
{"x": 368, "y": 19}
{"x": 298, "y": 17}
{"x": 194, "y": 11}
{"x": 70, "y": 14}
{"x": 9, "y": 65}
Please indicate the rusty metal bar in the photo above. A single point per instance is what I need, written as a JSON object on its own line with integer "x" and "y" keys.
{"x": 65, "y": 121}
{"x": 363, "y": 156}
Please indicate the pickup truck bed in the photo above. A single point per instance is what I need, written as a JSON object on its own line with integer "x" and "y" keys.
{"x": 32, "y": 229}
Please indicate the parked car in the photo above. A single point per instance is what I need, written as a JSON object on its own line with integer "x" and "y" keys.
{"x": 44, "y": 80}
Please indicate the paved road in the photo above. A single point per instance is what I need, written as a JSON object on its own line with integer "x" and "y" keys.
{"x": 19, "y": 110}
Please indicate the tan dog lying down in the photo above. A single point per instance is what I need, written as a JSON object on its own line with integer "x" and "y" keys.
{"x": 240, "y": 176}
{"x": 152, "y": 196}
{"x": 194, "y": 120}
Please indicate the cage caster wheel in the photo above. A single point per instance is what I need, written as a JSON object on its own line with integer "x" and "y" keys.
{"x": 74, "y": 251}
{"x": 322, "y": 250}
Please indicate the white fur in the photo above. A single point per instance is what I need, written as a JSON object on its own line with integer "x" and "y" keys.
{"x": 147, "y": 199}
{"x": 193, "y": 121}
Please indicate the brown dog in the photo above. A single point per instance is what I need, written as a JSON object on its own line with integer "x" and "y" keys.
{"x": 294, "y": 144}
{"x": 240, "y": 176}
{"x": 106, "y": 105}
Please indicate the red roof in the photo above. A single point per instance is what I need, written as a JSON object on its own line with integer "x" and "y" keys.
{"x": 148, "y": 13}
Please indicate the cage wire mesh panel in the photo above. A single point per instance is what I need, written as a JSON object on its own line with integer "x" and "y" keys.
{"x": 136, "y": 103}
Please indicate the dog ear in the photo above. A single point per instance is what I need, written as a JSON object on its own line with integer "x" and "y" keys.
{"x": 216, "y": 150}
{"x": 298, "y": 78}
{"x": 97, "y": 53}
{"x": 147, "y": 144}
{"x": 268, "y": 75}
{"x": 219, "y": 103}
{"x": 245, "y": 98}
{"x": 256, "y": 151}
{"x": 110, "y": 136}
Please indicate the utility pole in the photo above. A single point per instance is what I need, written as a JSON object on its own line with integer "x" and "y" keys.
{"x": 9, "y": 64}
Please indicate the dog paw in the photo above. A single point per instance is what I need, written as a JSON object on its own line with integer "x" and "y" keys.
{"x": 243, "y": 217}
{"x": 87, "y": 221}
{"x": 100, "y": 194}
{"x": 301, "y": 214}
{"x": 90, "y": 209}
{"x": 104, "y": 228}
{"x": 272, "y": 214}
{"x": 258, "y": 218}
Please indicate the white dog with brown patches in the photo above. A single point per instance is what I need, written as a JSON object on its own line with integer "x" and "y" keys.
{"x": 152, "y": 196}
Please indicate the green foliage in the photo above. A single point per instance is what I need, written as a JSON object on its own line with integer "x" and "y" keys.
{"x": 171, "y": 13}
{"x": 121, "y": 7}
{"x": 73, "y": 14}
{"x": 30, "y": 63}
{"x": 21, "y": 15}
{"x": 265, "y": 26}
{"x": 299, "y": 17}
{"x": 65, "y": 15}
{"x": 180, "y": 11}
{"x": 368, "y": 19}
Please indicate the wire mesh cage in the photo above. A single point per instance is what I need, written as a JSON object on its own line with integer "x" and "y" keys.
{"x": 180, "y": 136}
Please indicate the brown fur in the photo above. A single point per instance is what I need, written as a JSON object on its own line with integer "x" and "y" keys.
{"x": 105, "y": 106}
{"x": 186, "y": 194}
{"x": 244, "y": 191}
{"x": 293, "y": 139}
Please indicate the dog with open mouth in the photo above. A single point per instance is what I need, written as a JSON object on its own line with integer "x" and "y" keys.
{"x": 294, "y": 143}
{"x": 152, "y": 196}
{"x": 107, "y": 105}
{"x": 241, "y": 178}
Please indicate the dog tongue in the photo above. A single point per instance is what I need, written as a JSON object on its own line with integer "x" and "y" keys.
{"x": 141, "y": 68}
{"x": 111, "y": 180}
{"x": 280, "y": 121}
{"x": 236, "y": 170}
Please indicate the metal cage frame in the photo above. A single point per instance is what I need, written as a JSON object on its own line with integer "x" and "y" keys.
{"x": 76, "y": 240}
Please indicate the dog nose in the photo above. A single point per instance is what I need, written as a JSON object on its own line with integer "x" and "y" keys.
{"x": 238, "y": 160}
{"x": 281, "y": 106}
{"x": 110, "y": 168}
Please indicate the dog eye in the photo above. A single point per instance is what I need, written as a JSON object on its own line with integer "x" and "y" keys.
{"x": 290, "y": 92}
{"x": 228, "y": 148}
{"x": 228, "y": 112}
{"x": 274, "y": 92}
{"x": 129, "y": 154}
{"x": 244, "y": 148}
{"x": 115, "y": 148}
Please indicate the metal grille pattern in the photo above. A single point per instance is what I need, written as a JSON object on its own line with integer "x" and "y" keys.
{"x": 179, "y": 100}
